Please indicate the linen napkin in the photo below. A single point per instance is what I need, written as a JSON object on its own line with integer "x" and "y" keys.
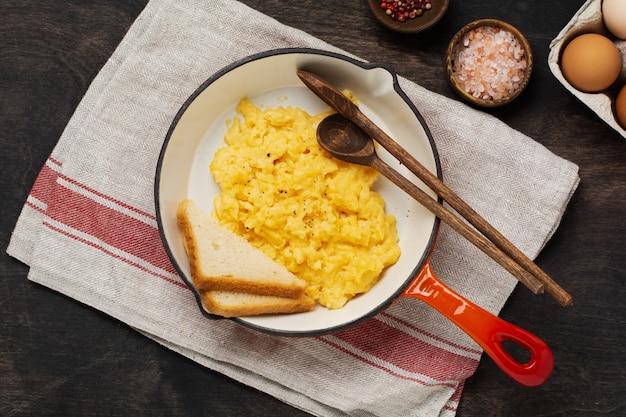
{"x": 88, "y": 228}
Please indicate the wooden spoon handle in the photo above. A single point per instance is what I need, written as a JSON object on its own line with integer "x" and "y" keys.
{"x": 461, "y": 227}
{"x": 456, "y": 202}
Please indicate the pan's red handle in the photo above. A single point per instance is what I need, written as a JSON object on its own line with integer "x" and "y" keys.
{"x": 486, "y": 329}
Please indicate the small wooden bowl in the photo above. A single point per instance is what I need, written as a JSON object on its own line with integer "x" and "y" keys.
{"x": 410, "y": 26}
{"x": 450, "y": 63}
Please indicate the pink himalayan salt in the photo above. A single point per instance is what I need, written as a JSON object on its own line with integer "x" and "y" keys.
{"x": 489, "y": 63}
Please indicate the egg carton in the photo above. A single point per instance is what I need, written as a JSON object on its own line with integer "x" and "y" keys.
{"x": 588, "y": 19}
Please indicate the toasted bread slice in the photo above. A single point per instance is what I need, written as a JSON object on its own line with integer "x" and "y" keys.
{"x": 238, "y": 304}
{"x": 222, "y": 260}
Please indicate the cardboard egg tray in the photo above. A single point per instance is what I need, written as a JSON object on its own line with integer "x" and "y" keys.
{"x": 588, "y": 19}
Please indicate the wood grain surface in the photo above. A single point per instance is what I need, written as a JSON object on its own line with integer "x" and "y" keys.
{"x": 58, "y": 357}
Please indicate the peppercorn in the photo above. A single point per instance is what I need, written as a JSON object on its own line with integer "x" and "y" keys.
{"x": 403, "y": 10}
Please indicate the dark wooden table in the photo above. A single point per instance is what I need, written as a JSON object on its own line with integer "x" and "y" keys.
{"x": 58, "y": 357}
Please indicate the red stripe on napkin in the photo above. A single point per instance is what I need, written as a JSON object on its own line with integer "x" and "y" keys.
{"x": 114, "y": 255}
{"x": 414, "y": 378}
{"x": 433, "y": 336}
{"x": 400, "y": 349}
{"x": 112, "y": 227}
{"x": 106, "y": 197}
{"x": 104, "y": 223}
{"x": 45, "y": 183}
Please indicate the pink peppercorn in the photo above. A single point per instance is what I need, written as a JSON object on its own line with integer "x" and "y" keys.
{"x": 402, "y": 10}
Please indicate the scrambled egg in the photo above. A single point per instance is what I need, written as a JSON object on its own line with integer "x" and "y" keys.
{"x": 312, "y": 213}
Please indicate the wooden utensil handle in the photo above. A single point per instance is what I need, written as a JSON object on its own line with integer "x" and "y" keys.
{"x": 462, "y": 228}
{"x": 456, "y": 202}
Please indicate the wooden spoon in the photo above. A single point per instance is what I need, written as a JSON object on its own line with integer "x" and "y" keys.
{"x": 346, "y": 141}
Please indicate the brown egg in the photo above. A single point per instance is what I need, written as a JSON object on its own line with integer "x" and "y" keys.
{"x": 591, "y": 62}
{"x": 620, "y": 107}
